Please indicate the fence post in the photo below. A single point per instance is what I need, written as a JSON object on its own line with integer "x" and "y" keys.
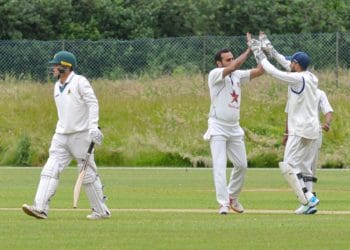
{"x": 337, "y": 59}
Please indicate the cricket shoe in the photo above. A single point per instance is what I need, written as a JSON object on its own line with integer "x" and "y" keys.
{"x": 224, "y": 210}
{"x": 313, "y": 201}
{"x": 310, "y": 207}
{"x": 305, "y": 209}
{"x": 96, "y": 216}
{"x": 32, "y": 211}
{"x": 236, "y": 206}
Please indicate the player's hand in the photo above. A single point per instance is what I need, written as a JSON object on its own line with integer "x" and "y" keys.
{"x": 326, "y": 127}
{"x": 266, "y": 45}
{"x": 96, "y": 136}
{"x": 249, "y": 38}
{"x": 255, "y": 46}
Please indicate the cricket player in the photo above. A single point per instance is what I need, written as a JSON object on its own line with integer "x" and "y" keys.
{"x": 326, "y": 109}
{"x": 302, "y": 121}
{"x": 77, "y": 127}
{"x": 309, "y": 171}
{"x": 224, "y": 132}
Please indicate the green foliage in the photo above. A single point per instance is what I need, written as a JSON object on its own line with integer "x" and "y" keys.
{"x": 160, "y": 159}
{"x": 126, "y": 20}
{"x": 264, "y": 160}
{"x": 160, "y": 120}
{"x": 332, "y": 164}
{"x": 23, "y": 154}
{"x": 281, "y": 17}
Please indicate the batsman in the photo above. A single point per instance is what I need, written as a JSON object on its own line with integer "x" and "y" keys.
{"x": 76, "y": 129}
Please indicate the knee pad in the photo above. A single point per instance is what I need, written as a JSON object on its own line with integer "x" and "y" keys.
{"x": 91, "y": 172}
{"x": 293, "y": 180}
{"x": 47, "y": 185}
{"x": 90, "y": 176}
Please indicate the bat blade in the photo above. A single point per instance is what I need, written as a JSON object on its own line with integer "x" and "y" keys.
{"x": 77, "y": 188}
{"x": 81, "y": 175}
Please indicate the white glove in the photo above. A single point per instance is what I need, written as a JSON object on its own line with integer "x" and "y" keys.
{"x": 266, "y": 45}
{"x": 96, "y": 136}
{"x": 255, "y": 46}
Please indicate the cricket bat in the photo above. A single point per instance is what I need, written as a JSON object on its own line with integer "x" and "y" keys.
{"x": 81, "y": 175}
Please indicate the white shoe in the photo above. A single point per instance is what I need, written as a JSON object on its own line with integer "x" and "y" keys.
{"x": 96, "y": 216}
{"x": 32, "y": 211}
{"x": 236, "y": 206}
{"x": 305, "y": 209}
{"x": 224, "y": 210}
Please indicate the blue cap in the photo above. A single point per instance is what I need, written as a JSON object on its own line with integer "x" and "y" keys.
{"x": 302, "y": 59}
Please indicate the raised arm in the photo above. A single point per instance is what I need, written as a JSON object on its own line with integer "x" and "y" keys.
{"x": 271, "y": 52}
{"x": 236, "y": 63}
{"x": 256, "y": 72}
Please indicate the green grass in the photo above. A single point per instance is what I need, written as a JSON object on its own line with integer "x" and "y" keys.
{"x": 185, "y": 188}
{"x": 160, "y": 122}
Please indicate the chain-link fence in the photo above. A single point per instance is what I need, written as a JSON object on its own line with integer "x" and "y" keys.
{"x": 115, "y": 59}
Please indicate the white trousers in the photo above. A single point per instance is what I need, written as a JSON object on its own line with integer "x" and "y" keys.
{"x": 233, "y": 148}
{"x": 64, "y": 148}
{"x": 300, "y": 155}
{"x": 315, "y": 151}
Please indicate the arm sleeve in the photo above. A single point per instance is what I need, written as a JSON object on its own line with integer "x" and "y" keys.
{"x": 286, "y": 108}
{"x": 90, "y": 99}
{"x": 244, "y": 75}
{"x": 325, "y": 106}
{"x": 215, "y": 76}
{"x": 294, "y": 79}
{"x": 283, "y": 61}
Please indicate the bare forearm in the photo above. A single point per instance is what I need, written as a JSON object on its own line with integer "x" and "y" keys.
{"x": 243, "y": 57}
{"x": 256, "y": 72}
{"x": 328, "y": 117}
{"x": 327, "y": 121}
{"x": 236, "y": 64}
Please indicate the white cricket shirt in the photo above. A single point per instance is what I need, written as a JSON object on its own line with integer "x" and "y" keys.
{"x": 302, "y": 106}
{"x": 323, "y": 103}
{"x": 77, "y": 105}
{"x": 225, "y": 97}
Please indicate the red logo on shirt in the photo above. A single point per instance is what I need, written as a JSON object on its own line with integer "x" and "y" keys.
{"x": 234, "y": 96}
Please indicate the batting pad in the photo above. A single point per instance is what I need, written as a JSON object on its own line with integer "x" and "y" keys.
{"x": 94, "y": 192}
{"x": 291, "y": 177}
{"x": 47, "y": 185}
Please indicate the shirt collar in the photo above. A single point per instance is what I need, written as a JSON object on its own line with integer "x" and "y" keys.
{"x": 70, "y": 76}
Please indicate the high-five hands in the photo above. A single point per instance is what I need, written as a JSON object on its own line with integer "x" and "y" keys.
{"x": 256, "y": 46}
{"x": 266, "y": 45}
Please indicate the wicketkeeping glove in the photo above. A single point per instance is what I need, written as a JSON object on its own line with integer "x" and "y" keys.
{"x": 255, "y": 46}
{"x": 96, "y": 136}
{"x": 267, "y": 46}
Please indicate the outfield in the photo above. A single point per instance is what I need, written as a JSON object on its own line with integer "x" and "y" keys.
{"x": 175, "y": 208}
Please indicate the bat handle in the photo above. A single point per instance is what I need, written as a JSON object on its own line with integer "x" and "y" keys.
{"x": 91, "y": 147}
